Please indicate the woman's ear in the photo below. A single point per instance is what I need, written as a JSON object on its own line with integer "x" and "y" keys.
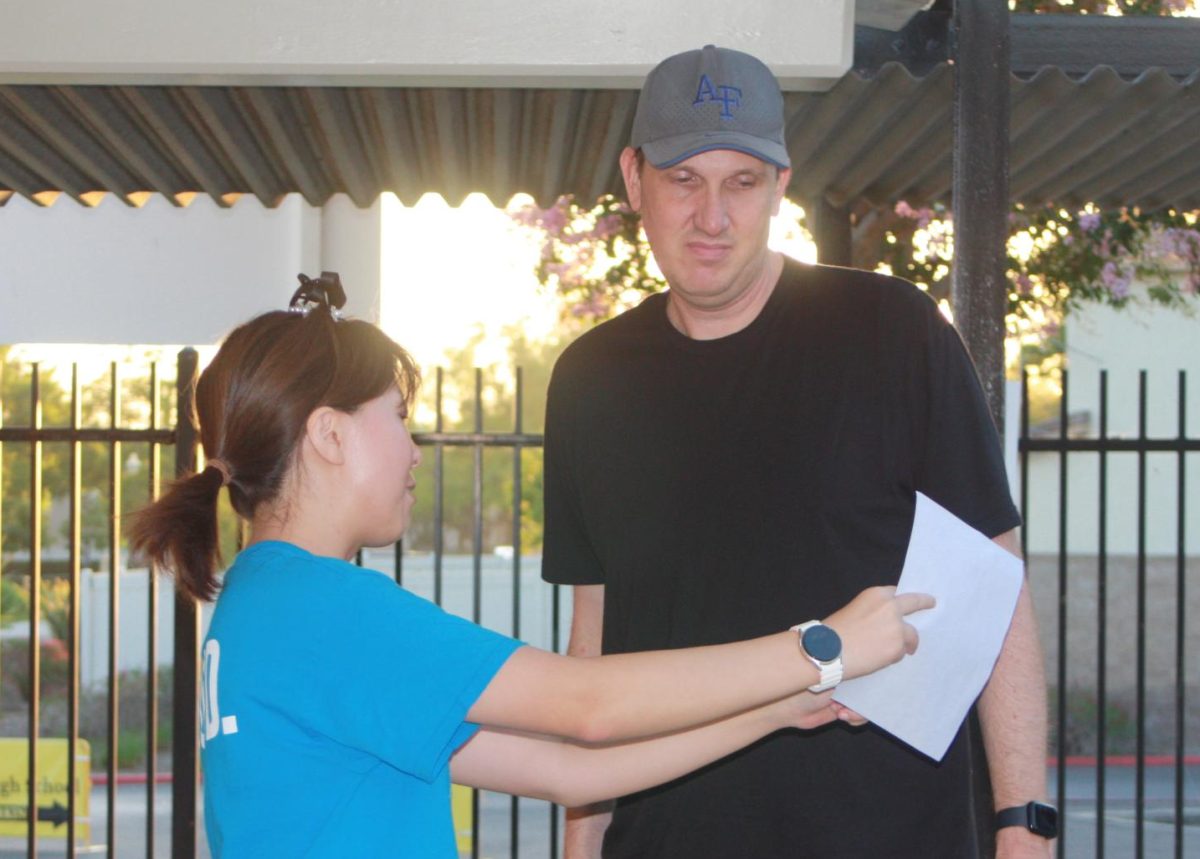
{"x": 325, "y": 432}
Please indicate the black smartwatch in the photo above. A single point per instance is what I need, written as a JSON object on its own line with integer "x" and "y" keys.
{"x": 1037, "y": 817}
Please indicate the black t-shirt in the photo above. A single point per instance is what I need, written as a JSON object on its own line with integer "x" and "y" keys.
{"x": 731, "y": 488}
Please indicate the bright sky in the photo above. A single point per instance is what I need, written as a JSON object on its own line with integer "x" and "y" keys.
{"x": 448, "y": 271}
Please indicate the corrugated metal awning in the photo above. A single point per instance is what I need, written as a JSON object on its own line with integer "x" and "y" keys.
{"x": 1100, "y": 138}
{"x": 879, "y": 138}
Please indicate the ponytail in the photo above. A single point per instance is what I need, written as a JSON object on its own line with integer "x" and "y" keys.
{"x": 178, "y": 532}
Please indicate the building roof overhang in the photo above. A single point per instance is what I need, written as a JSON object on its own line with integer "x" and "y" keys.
{"x": 1104, "y": 110}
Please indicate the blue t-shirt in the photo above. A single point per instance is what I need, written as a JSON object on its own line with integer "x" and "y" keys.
{"x": 332, "y": 701}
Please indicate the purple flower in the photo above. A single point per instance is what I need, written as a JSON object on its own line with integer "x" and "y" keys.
{"x": 1088, "y": 221}
{"x": 554, "y": 219}
{"x": 607, "y": 227}
{"x": 557, "y": 269}
{"x": 1024, "y": 284}
{"x": 1115, "y": 280}
{"x": 922, "y": 216}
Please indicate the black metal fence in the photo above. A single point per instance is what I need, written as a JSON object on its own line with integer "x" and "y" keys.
{"x": 34, "y": 438}
{"x": 1103, "y": 753}
{"x": 426, "y": 571}
{"x": 498, "y": 591}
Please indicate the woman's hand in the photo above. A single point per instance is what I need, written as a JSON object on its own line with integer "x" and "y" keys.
{"x": 873, "y": 630}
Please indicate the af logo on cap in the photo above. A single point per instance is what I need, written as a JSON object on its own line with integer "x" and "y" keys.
{"x": 728, "y": 96}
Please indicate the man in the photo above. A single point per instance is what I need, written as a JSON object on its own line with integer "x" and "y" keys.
{"x": 741, "y": 454}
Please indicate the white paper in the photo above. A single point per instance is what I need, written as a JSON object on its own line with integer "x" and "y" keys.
{"x": 923, "y": 698}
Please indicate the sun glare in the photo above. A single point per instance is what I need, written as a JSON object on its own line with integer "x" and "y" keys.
{"x": 449, "y": 272}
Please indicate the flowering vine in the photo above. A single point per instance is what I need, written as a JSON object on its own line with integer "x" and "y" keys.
{"x": 596, "y": 259}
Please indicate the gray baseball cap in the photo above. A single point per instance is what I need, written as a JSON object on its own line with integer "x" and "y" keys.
{"x": 713, "y": 98}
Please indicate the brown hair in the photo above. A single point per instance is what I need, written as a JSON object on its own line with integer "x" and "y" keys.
{"x": 252, "y": 403}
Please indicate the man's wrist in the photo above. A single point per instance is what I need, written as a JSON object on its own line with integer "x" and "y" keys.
{"x": 1013, "y": 842}
{"x": 1036, "y": 817}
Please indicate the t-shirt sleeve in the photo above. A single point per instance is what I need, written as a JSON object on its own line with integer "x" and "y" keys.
{"x": 568, "y": 557}
{"x": 403, "y": 675}
{"x": 958, "y": 459}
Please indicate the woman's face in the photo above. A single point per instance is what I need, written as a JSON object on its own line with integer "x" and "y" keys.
{"x": 381, "y": 456}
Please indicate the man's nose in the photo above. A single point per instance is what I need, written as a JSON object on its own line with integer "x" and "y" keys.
{"x": 712, "y": 217}
{"x": 416, "y": 455}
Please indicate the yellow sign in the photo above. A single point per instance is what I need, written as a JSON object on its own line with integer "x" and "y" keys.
{"x": 460, "y": 807}
{"x": 52, "y": 804}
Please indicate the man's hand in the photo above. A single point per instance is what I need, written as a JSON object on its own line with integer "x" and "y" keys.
{"x": 806, "y": 711}
{"x": 848, "y": 716}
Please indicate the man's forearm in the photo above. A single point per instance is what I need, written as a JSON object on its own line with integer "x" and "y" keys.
{"x": 1012, "y": 713}
{"x": 585, "y": 830}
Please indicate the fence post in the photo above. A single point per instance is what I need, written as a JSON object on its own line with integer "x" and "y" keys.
{"x": 186, "y": 763}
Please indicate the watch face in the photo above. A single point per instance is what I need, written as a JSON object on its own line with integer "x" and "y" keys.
{"x": 822, "y": 643}
{"x": 1043, "y": 820}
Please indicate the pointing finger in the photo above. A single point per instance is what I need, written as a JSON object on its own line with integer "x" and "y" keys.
{"x": 909, "y": 603}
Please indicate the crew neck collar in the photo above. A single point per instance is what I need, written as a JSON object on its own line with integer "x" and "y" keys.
{"x": 716, "y": 344}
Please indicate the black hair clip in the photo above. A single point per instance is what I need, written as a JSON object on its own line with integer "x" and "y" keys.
{"x": 325, "y": 291}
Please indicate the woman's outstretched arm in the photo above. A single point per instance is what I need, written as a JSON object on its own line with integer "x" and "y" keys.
{"x": 627, "y": 696}
{"x": 574, "y": 774}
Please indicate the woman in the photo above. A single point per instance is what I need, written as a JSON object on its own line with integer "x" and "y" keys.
{"x": 337, "y": 706}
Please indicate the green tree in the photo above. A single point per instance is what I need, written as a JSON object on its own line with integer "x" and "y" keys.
{"x": 497, "y": 413}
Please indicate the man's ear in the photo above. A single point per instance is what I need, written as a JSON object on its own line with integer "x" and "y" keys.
{"x": 633, "y": 177}
{"x": 325, "y": 433}
{"x": 781, "y": 185}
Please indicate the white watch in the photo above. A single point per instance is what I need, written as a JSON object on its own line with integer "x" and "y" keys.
{"x": 823, "y": 647}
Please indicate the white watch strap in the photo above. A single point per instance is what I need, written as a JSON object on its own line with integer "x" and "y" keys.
{"x": 831, "y": 671}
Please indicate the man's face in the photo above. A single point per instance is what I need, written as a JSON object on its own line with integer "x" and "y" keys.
{"x": 707, "y": 220}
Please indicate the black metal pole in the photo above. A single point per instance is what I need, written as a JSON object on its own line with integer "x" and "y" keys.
{"x": 35, "y": 610}
{"x": 186, "y": 754}
{"x": 980, "y": 47}
{"x": 1180, "y": 618}
{"x": 1102, "y": 630}
{"x": 477, "y": 576}
{"x": 114, "y": 609}
{"x": 1139, "y": 793}
{"x": 152, "y": 633}
{"x": 75, "y": 521}
{"x": 980, "y": 191}
{"x": 830, "y": 227}
{"x": 1060, "y": 731}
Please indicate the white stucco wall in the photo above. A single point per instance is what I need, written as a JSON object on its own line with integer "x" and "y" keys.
{"x": 1142, "y": 337}
{"x": 167, "y": 275}
{"x": 576, "y": 43}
